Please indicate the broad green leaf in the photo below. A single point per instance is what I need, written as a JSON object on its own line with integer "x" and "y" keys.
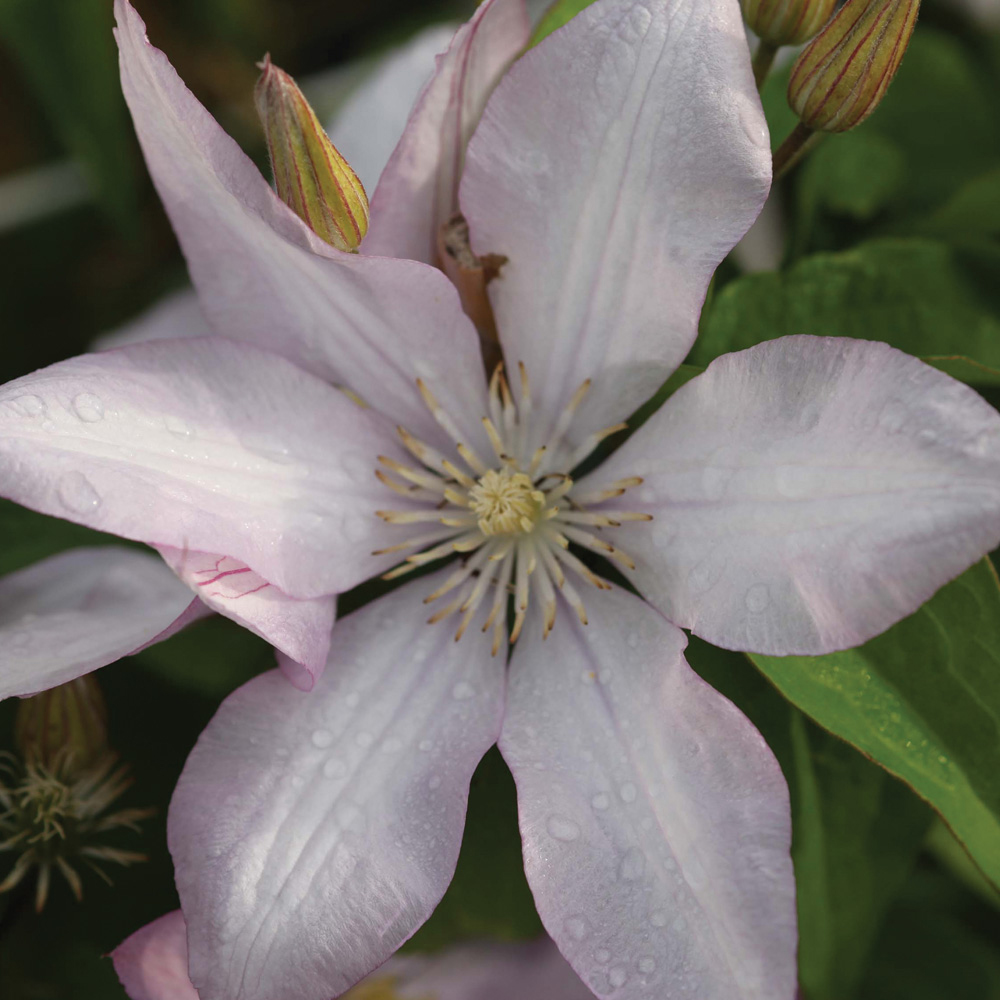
{"x": 923, "y": 700}
{"x": 66, "y": 52}
{"x": 974, "y": 210}
{"x": 916, "y": 294}
{"x": 556, "y": 16}
{"x": 489, "y": 896}
{"x": 856, "y": 831}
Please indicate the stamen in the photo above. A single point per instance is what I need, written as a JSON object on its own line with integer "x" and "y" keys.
{"x": 514, "y": 519}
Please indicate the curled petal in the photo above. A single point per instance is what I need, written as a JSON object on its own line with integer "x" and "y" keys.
{"x": 655, "y": 819}
{"x": 616, "y": 164}
{"x": 313, "y": 833}
{"x": 418, "y": 191}
{"x": 80, "y": 610}
{"x": 300, "y": 629}
{"x": 152, "y": 963}
{"x": 808, "y": 493}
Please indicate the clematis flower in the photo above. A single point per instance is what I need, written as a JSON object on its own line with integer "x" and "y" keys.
{"x": 152, "y": 965}
{"x": 797, "y": 497}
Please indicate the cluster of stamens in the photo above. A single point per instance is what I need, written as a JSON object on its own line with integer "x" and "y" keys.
{"x": 512, "y": 519}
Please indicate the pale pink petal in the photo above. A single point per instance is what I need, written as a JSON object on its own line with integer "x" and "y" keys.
{"x": 152, "y": 963}
{"x": 370, "y": 122}
{"x": 205, "y": 445}
{"x": 371, "y": 324}
{"x": 523, "y": 970}
{"x": 419, "y": 187}
{"x": 313, "y": 833}
{"x": 615, "y": 165}
{"x": 298, "y": 628}
{"x": 809, "y": 492}
{"x": 80, "y": 610}
{"x": 176, "y": 315}
{"x": 654, "y": 817}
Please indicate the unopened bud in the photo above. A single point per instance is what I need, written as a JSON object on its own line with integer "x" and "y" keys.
{"x": 311, "y": 177}
{"x": 787, "y": 22}
{"x": 842, "y": 75}
{"x": 65, "y": 726}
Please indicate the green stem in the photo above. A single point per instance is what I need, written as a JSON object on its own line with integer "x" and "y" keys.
{"x": 800, "y": 141}
{"x": 763, "y": 58}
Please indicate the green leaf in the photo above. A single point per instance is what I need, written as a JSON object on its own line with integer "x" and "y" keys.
{"x": 973, "y": 210}
{"x": 489, "y": 895}
{"x": 923, "y": 700}
{"x": 555, "y": 17}
{"x": 66, "y": 51}
{"x": 856, "y": 830}
{"x": 916, "y": 294}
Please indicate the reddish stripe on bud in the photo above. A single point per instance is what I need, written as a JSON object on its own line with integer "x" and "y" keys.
{"x": 310, "y": 175}
{"x": 841, "y": 78}
{"x": 787, "y": 22}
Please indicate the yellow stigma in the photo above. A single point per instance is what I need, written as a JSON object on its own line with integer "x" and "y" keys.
{"x": 505, "y": 502}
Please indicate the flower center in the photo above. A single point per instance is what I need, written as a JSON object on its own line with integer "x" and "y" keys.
{"x": 506, "y": 502}
{"x": 512, "y": 518}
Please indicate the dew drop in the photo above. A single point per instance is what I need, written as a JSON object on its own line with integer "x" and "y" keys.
{"x": 633, "y": 640}
{"x": 352, "y": 700}
{"x": 758, "y": 597}
{"x": 334, "y": 768}
{"x": 30, "y": 405}
{"x": 434, "y": 781}
{"x": 425, "y": 745}
{"x": 179, "y": 427}
{"x": 576, "y": 928}
{"x": 627, "y": 792}
{"x": 893, "y": 417}
{"x": 680, "y": 924}
{"x": 588, "y": 677}
{"x": 633, "y": 865}
{"x": 392, "y": 745}
{"x": 77, "y": 493}
{"x": 647, "y": 965}
{"x": 618, "y": 977}
{"x": 88, "y": 407}
{"x": 600, "y": 801}
{"x": 364, "y": 739}
{"x": 602, "y": 956}
{"x": 562, "y": 828}
{"x": 658, "y": 918}
{"x": 753, "y": 126}
{"x": 322, "y": 738}
{"x": 462, "y": 691}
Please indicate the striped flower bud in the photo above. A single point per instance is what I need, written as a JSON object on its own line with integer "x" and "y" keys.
{"x": 311, "y": 177}
{"x": 841, "y": 77}
{"x": 787, "y": 22}
{"x": 64, "y": 725}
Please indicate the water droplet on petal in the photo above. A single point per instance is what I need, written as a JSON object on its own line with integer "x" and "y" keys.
{"x": 658, "y": 918}
{"x": 425, "y": 745}
{"x": 627, "y": 792}
{"x": 600, "y": 801}
{"x": 562, "y": 828}
{"x": 352, "y": 700}
{"x": 633, "y": 640}
{"x": 88, "y": 407}
{"x": 29, "y": 405}
{"x": 647, "y": 965}
{"x": 633, "y": 865}
{"x": 179, "y": 427}
{"x": 757, "y": 598}
{"x": 392, "y": 745}
{"x": 618, "y": 977}
{"x": 334, "y": 768}
{"x": 462, "y": 691}
{"x": 753, "y": 124}
{"x": 576, "y": 928}
{"x": 322, "y": 738}
{"x": 77, "y": 493}
{"x": 434, "y": 781}
{"x": 364, "y": 739}
{"x": 602, "y": 956}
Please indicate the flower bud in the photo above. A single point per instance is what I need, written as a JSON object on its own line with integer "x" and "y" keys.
{"x": 841, "y": 77}
{"x": 787, "y": 22}
{"x": 311, "y": 177}
{"x": 67, "y": 724}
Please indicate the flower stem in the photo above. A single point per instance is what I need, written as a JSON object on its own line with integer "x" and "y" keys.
{"x": 800, "y": 141}
{"x": 763, "y": 58}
